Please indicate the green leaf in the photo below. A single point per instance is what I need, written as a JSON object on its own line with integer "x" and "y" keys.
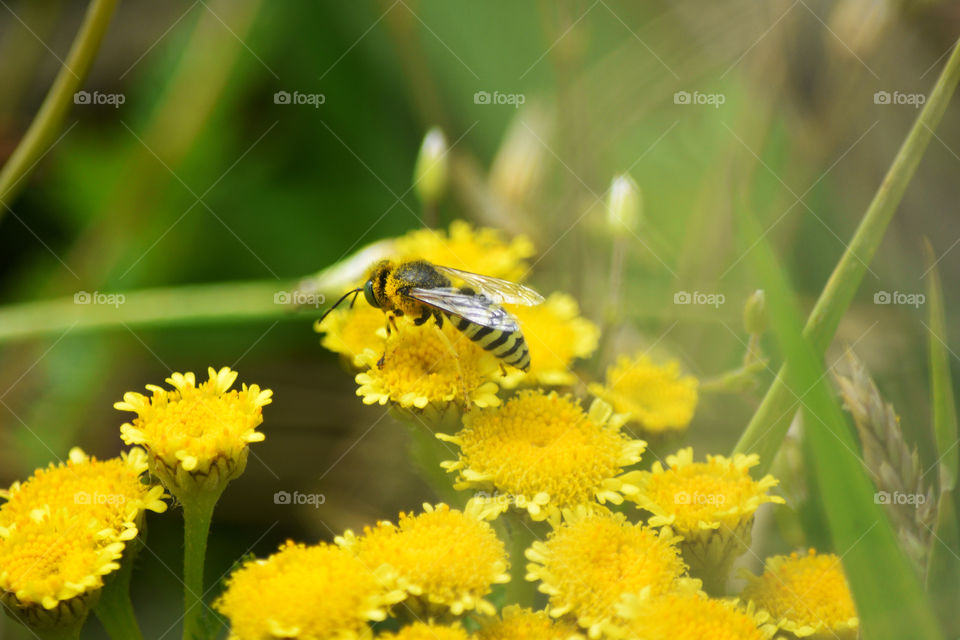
{"x": 943, "y": 564}
{"x": 890, "y": 601}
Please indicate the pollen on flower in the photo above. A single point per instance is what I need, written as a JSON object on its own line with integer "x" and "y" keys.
{"x": 308, "y": 593}
{"x": 517, "y": 623}
{"x": 445, "y": 559}
{"x": 806, "y": 595}
{"x": 427, "y": 631}
{"x": 556, "y": 335}
{"x": 658, "y": 398}
{"x": 588, "y": 562}
{"x": 352, "y": 330}
{"x": 428, "y": 365}
{"x": 53, "y": 557}
{"x": 546, "y": 453}
{"x": 686, "y": 616}
{"x": 481, "y": 250}
{"x": 196, "y": 429}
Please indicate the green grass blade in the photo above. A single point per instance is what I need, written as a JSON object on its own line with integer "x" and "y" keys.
{"x": 943, "y": 565}
{"x": 772, "y": 419}
{"x": 890, "y": 600}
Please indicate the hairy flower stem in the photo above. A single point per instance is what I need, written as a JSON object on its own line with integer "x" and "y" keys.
{"x": 197, "y": 513}
{"x": 521, "y": 535}
{"x": 36, "y": 142}
{"x": 769, "y": 424}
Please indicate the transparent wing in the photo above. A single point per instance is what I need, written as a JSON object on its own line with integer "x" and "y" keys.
{"x": 495, "y": 289}
{"x": 477, "y": 309}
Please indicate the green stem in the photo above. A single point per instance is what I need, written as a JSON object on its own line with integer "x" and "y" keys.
{"x": 197, "y": 513}
{"x": 769, "y": 424}
{"x": 162, "y": 306}
{"x": 64, "y": 633}
{"x": 521, "y": 535}
{"x": 47, "y": 121}
{"x": 115, "y": 609}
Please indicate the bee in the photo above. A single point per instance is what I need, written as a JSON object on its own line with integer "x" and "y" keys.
{"x": 422, "y": 290}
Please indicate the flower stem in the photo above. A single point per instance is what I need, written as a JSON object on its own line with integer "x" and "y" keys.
{"x": 115, "y": 609}
{"x": 63, "y": 633}
{"x": 521, "y": 535}
{"x": 197, "y": 513}
{"x": 769, "y": 424}
{"x": 47, "y": 121}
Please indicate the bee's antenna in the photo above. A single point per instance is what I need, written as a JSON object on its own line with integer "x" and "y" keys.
{"x": 336, "y": 304}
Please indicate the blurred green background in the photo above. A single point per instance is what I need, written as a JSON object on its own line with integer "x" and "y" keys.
{"x": 200, "y": 176}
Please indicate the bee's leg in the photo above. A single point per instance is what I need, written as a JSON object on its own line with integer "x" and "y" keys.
{"x": 438, "y": 317}
{"x": 456, "y": 360}
{"x": 424, "y": 316}
{"x": 380, "y": 361}
{"x": 391, "y": 323}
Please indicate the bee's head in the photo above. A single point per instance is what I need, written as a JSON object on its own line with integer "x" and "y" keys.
{"x": 373, "y": 290}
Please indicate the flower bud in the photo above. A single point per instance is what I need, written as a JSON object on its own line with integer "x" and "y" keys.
{"x": 755, "y": 313}
{"x": 430, "y": 172}
{"x": 624, "y": 205}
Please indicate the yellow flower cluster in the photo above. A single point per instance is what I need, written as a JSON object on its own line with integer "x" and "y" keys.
{"x": 66, "y": 528}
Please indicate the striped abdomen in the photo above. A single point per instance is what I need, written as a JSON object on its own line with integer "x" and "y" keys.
{"x": 509, "y": 346}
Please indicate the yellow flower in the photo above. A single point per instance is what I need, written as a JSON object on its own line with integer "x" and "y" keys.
{"x": 428, "y": 365}
{"x": 481, "y": 250}
{"x": 425, "y": 631}
{"x": 592, "y": 559}
{"x": 656, "y": 398}
{"x": 686, "y": 616}
{"x": 543, "y": 453}
{"x": 556, "y": 335}
{"x": 196, "y": 435}
{"x": 52, "y": 565}
{"x": 308, "y": 593}
{"x": 350, "y": 331}
{"x": 445, "y": 559}
{"x": 525, "y": 624}
{"x": 711, "y": 504}
{"x": 109, "y": 491}
{"x": 806, "y": 595}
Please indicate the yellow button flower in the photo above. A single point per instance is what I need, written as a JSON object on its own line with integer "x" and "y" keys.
{"x": 480, "y": 250}
{"x": 307, "y": 593}
{"x": 445, "y": 559}
{"x": 556, "y": 335}
{"x": 425, "y": 631}
{"x": 542, "y": 453}
{"x": 657, "y": 398}
{"x": 711, "y": 504}
{"x": 52, "y": 565}
{"x": 110, "y": 491}
{"x": 517, "y": 623}
{"x": 427, "y": 365}
{"x": 196, "y": 435}
{"x": 686, "y": 616}
{"x": 590, "y": 561}
{"x": 806, "y": 595}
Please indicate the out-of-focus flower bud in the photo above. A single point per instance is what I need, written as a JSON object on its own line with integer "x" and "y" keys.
{"x": 755, "y": 313}
{"x": 624, "y": 205}
{"x": 518, "y": 167}
{"x": 430, "y": 173}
